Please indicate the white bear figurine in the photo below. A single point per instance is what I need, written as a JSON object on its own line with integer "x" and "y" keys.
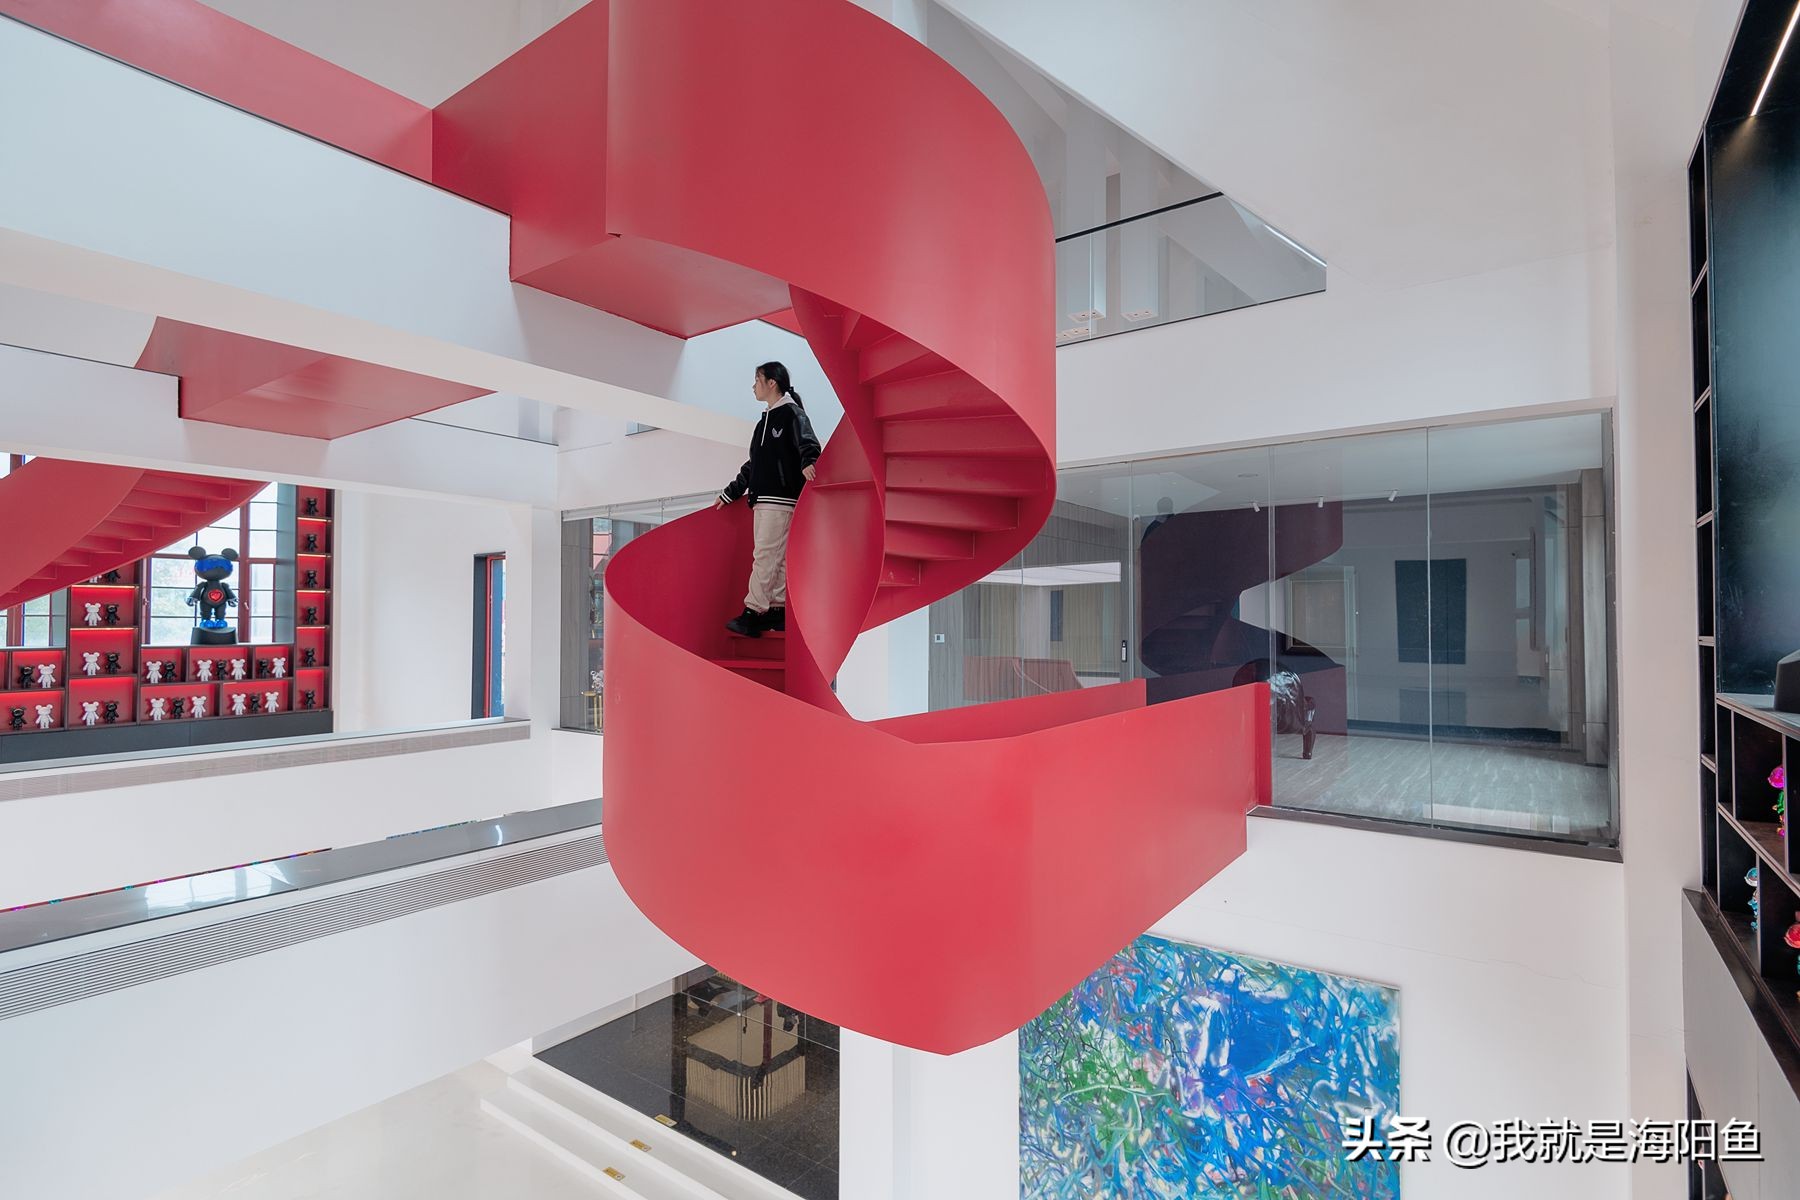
{"x": 279, "y": 670}
{"x": 46, "y": 675}
{"x": 90, "y": 712}
{"x": 158, "y": 708}
{"x": 197, "y": 706}
{"x": 203, "y": 670}
{"x": 43, "y": 716}
{"x": 90, "y": 662}
{"x": 237, "y": 704}
{"x": 93, "y": 614}
{"x": 271, "y": 701}
{"x": 152, "y": 672}
{"x": 238, "y": 669}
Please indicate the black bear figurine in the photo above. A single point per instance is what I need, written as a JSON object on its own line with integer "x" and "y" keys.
{"x": 312, "y": 616}
{"x": 112, "y": 614}
{"x": 307, "y": 699}
{"x": 308, "y": 658}
{"x": 17, "y": 720}
{"x": 312, "y": 579}
{"x": 109, "y": 712}
{"x": 25, "y": 677}
{"x": 177, "y": 705}
{"x": 312, "y": 506}
{"x": 112, "y": 663}
{"x": 111, "y": 577}
{"x": 312, "y": 543}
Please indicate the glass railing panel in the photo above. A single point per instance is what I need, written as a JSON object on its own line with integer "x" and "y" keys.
{"x": 1192, "y": 259}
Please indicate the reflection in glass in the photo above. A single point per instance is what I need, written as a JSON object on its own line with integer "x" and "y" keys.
{"x": 1345, "y": 513}
{"x": 1430, "y": 608}
{"x": 588, "y": 543}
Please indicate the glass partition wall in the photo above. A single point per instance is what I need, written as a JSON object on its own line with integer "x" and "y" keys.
{"x": 1431, "y": 608}
{"x": 589, "y": 540}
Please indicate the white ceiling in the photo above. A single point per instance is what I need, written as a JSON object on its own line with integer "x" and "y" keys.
{"x": 426, "y": 50}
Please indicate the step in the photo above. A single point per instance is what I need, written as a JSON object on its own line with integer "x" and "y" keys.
{"x": 771, "y": 645}
{"x": 895, "y": 358}
{"x": 897, "y": 571}
{"x": 861, "y": 332}
{"x": 953, "y": 510}
{"x": 949, "y": 393}
{"x": 1001, "y": 436}
{"x": 749, "y": 664}
{"x": 928, "y": 542}
{"x": 582, "y": 1152}
{"x": 989, "y": 476}
{"x": 716, "y": 1174}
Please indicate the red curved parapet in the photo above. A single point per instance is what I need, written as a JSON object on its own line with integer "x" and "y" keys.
{"x": 70, "y": 521}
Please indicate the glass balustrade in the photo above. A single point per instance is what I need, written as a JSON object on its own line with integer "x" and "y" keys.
{"x": 1202, "y": 256}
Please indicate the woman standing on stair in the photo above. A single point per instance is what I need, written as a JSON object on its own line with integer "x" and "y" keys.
{"x": 783, "y": 450}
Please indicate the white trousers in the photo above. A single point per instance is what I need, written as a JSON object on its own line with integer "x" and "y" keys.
{"x": 768, "y": 566}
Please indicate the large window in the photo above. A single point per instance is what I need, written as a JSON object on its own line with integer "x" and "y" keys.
{"x": 1431, "y": 608}
{"x": 254, "y": 531}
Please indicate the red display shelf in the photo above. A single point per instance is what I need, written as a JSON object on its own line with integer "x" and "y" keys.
{"x": 312, "y": 572}
{"x": 256, "y": 695}
{"x": 316, "y": 680}
{"x": 22, "y": 706}
{"x": 178, "y": 701}
{"x": 170, "y": 658}
{"x": 312, "y": 503}
{"x": 271, "y": 662}
{"x": 312, "y": 536}
{"x": 23, "y": 674}
{"x": 102, "y": 642}
{"x": 212, "y": 664}
{"x": 316, "y": 605}
{"x": 118, "y": 689}
{"x": 318, "y": 640}
{"x": 113, "y": 606}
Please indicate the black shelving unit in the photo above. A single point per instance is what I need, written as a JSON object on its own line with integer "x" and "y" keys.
{"x": 1750, "y": 869}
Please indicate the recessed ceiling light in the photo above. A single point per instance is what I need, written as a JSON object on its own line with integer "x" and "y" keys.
{"x": 1779, "y": 50}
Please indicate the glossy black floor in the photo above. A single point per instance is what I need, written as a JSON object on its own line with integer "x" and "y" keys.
{"x": 642, "y": 1059}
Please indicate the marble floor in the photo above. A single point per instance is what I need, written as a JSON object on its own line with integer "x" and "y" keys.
{"x": 431, "y": 1143}
{"x": 643, "y": 1059}
{"x": 1505, "y": 787}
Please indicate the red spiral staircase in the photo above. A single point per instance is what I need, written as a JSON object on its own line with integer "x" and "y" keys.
{"x": 934, "y": 880}
{"x": 70, "y": 521}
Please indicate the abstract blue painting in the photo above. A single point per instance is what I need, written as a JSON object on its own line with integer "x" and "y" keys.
{"x": 1183, "y": 1073}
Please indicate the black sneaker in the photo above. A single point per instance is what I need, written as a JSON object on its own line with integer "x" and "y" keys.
{"x": 774, "y": 619}
{"x": 746, "y": 624}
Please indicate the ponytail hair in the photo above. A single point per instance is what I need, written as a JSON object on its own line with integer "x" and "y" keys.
{"x": 777, "y": 374}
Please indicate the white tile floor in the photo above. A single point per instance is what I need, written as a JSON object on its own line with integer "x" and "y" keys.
{"x": 431, "y": 1143}
{"x": 1508, "y": 788}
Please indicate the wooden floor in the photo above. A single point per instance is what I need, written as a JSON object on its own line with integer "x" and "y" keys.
{"x": 1512, "y": 789}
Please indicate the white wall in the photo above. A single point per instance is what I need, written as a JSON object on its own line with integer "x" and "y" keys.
{"x": 185, "y": 1074}
{"x": 404, "y": 619}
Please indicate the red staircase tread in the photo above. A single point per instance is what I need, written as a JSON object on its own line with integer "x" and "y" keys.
{"x": 953, "y": 510}
{"x": 989, "y": 476}
{"x": 750, "y": 664}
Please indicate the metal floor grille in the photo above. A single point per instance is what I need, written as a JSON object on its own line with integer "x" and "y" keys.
{"x": 98, "y": 972}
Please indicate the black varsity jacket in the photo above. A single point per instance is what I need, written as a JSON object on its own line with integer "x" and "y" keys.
{"x": 782, "y": 446}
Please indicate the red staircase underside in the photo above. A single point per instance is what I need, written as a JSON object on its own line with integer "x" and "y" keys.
{"x": 67, "y": 522}
{"x": 935, "y": 880}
